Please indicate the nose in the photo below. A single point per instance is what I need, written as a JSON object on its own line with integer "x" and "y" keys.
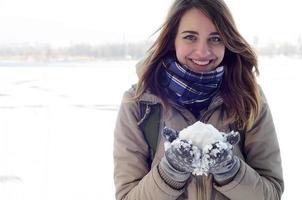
{"x": 203, "y": 49}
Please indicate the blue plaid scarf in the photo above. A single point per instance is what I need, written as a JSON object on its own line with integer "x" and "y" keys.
{"x": 186, "y": 87}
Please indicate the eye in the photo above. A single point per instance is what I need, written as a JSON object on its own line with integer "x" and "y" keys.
{"x": 215, "y": 39}
{"x": 190, "y": 38}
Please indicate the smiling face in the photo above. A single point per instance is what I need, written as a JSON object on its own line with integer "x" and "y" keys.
{"x": 198, "y": 45}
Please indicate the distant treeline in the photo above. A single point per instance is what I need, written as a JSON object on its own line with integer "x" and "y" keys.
{"x": 285, "y": 49}
{"x": 74, "y": 52}
{"x": 115, "y": 51}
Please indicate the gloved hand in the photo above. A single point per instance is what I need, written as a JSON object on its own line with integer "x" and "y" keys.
{"x": 180, "y": 153}
{"x": 219, "y": 153}
{"x": 222, "y": 163}
{"x": 200, "y": 149}
{"x": 216, "y": 146}
{"x": 181, "y": 157}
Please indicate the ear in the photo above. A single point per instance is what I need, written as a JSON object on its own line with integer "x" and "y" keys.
{"x": 170, "y": 134}
{"x": 233, "y": 137}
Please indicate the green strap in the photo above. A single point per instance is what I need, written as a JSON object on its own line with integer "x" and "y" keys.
{"x": 150, "y": 124}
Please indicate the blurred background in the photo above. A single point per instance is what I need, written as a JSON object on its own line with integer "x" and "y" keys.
{"x": 64, "y": 66}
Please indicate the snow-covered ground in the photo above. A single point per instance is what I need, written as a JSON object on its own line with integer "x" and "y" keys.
{"x": 57, "y": 120}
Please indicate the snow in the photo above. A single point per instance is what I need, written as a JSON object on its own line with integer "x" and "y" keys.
{"x": 56, "y": 129}
{"x": 209, "y": 140}
{"x": 56, "y": 126}
{"x": 201, "y": 134}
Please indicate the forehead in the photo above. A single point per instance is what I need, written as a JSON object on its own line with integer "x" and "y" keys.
{"x": 195, "y": 19}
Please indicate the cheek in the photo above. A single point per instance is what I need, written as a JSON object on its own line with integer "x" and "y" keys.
{"x": 181, "y": 52}
{"x": 219, "y": 52}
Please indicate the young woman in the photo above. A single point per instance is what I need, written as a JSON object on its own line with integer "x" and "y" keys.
{"x": 199, "y": 69}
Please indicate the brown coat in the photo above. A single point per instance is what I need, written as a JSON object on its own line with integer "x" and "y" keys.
{"x": 259, "y": 177}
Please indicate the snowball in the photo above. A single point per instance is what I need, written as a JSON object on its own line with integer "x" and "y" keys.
{"x": 201, "y": 134}
{"x": 204, "y": 136}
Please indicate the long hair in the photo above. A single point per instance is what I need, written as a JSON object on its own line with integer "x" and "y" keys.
{"x": 239, "y": 87}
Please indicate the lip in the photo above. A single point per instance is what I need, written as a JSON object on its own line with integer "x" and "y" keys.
{"x": 200, "y": 65}
{"x": 201, "y": 62}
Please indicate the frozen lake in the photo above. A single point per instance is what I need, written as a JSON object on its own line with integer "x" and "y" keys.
{"x": 57, "y": 120}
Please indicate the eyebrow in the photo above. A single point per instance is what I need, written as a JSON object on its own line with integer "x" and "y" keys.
{"x": 196, "y": 33}
{"x": 191, "y": 32}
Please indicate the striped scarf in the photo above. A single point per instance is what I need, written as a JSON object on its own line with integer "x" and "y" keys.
{"x": 186, "y": 87}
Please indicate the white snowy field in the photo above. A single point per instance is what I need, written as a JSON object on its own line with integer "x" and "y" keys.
{"x": 57, "y": 120}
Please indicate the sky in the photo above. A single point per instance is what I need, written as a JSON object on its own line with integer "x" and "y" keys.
{"x": 67, "y": 22}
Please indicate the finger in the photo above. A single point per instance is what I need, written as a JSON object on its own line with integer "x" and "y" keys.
{"x": 170, "y": 134}
{"x": 233, "y": 137}
{"x": 186, "y": 150}
{"x": 222, "y": 167}
{"x": 217, "y": 158}
{"x": 219, "y": 152}
{"x": 179, "y": 156}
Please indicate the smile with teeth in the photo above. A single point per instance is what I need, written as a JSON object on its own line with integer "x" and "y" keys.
{"x": 198, "y": 62}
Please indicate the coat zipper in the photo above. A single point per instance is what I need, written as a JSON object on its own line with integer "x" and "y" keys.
{"x": 201, "y": 182}
{"x": 205, "y": 188}
{"x": 201, "y": 188}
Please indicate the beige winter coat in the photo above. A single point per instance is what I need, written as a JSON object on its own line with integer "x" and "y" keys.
{"x": 259, "y": 177}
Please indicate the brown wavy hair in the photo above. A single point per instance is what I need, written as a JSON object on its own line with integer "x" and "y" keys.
{"x": 239, "y": 87}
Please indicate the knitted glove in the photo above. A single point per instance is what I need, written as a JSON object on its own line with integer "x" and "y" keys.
{"x": 181, "y": 154}
{"x": 222, "y": 163}
{"x": 179, "y": 160}
{"x": 216, "y": 148}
